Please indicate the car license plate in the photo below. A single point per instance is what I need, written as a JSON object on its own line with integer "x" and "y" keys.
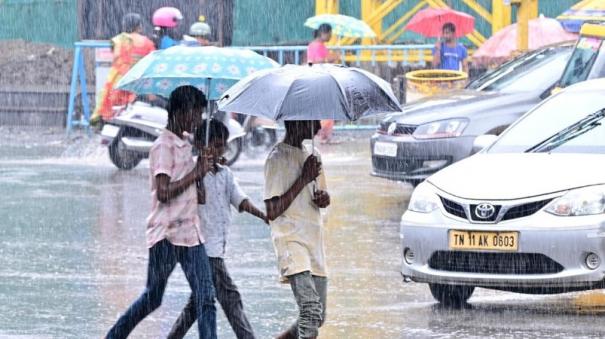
{"x": 471, "y": 240}
{"x": 386, "y": 149}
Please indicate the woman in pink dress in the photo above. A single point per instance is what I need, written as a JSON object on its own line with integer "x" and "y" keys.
{"x": 318, "y": 53}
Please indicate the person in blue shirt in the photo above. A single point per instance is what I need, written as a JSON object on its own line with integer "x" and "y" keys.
{"x": 166, "y": 21}
{"x": 448, "y": 53}
{"x": 167, "y": 41}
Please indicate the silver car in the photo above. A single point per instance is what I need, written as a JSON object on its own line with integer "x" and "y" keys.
{"x": 526, "y": 214}
{"x": 432, "y": 133}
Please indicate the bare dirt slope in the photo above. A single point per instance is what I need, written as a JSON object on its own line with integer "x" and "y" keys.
{"x": 28, "y": 64}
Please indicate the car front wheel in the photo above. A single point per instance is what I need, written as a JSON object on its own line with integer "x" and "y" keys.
{"x": 451, "y": 295}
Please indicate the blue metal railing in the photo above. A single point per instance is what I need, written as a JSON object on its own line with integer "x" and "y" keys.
{"x": 79, "y": 72}
{"x": 357, "y": 53}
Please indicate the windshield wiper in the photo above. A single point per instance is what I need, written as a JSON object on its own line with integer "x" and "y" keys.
{"x": 579, "y": 128}
{"x": 492, "y": 77}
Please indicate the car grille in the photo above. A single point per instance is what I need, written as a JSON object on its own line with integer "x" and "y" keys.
{"x": 515, "y": 212}
{"x": 494, "y": 263}
{"x": 453, "y": 208}
{"x": 525, "y": 209}
{"x": 401, "y": 129}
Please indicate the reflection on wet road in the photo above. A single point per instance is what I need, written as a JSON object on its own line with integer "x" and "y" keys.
{"x": 74, "y": 257}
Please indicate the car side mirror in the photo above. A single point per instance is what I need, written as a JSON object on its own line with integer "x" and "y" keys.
{"x": 482, "y": 142}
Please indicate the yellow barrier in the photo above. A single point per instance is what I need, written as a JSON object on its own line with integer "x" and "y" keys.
{"x": 424, "y": 83}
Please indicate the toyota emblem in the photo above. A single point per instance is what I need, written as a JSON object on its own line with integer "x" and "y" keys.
{"x": 485, "y": 211}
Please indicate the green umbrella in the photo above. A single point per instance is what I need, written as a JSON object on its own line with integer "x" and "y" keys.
{"x": 342, "y": 25}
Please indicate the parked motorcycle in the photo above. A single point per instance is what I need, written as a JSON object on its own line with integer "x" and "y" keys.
{"x": 261, "y": 134}
{"x": 131, "y": 133}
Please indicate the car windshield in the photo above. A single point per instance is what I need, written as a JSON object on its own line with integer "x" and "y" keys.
{"x": 581, "y": 62}
{"x": 569, "y": 122}
{"x": 533, "y": 71}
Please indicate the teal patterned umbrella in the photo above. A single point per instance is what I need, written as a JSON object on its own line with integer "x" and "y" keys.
{"x": 342, "y": 25}
{"x": 211, "y": 69}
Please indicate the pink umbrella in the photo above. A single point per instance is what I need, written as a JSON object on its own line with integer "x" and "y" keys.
{"x": 429, "y": 22}
{"x": 502, "y": 45}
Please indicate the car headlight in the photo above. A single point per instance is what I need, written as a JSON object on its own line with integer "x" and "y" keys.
{"x": 582, "y": 201}
{"x": 450, "y": 128}
{"x": 423, "y": 200}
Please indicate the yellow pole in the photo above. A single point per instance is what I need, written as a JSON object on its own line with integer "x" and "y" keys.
{"x": 368, "y": 7}
{"x": 522, "y": 28}
{"x": 326, "y": 7}
{"x": 526, "y": 10}
{"x": 501, "y": 15}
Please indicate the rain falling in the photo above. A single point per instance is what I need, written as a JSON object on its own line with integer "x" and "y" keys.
{"x": 302, "y": 169}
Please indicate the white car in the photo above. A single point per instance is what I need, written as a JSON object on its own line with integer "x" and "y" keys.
{"x": 525, "y": 214}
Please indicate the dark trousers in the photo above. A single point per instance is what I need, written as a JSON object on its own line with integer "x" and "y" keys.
{"x": 229, "y": 298}
{"x": 163, "y": 257}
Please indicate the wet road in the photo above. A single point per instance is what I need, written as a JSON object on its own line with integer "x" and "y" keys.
{"x": 73, "y": 256}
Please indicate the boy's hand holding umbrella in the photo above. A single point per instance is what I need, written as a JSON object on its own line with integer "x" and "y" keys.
{"x": 311, "y": 169}
{"x": 438, "y": 44}
{"x": 321, "y": 199}
{"x": 202, "y": 166}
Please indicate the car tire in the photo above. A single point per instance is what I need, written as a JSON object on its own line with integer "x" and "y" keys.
{"x": 121, "y": 157}
{"x": 451, "y": 295}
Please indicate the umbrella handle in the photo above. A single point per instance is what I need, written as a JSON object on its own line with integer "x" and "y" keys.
{"x": 209, "y": 111}
{"x": 209, "y": 108}
{"x": 313, "y": 153}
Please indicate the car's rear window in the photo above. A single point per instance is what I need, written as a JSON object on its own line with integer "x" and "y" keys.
{"x": 532, "y": 71}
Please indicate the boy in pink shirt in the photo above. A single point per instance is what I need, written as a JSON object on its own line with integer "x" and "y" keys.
{"x": 173, "y": 227}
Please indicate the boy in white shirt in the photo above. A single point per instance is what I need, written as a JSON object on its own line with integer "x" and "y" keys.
{"x": 295, "y": 191}
{"x": 218, "y": 193}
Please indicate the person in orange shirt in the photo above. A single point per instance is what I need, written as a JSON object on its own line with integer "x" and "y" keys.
{"x": 128, "y": 47}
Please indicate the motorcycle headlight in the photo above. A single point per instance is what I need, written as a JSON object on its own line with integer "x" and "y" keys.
{"x": 450, "y": 128}
{"x": 423, "y": 200}
{"x": 578, "y": 202}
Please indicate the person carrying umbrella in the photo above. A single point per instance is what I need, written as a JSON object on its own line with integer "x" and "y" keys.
{"x": 317, "y": 52}
{"x": 128, "y": 47}
{"x": 295, "y": 185}
{"x": 448, "y": 53}
{"x": 217, "y": 192}
{"x": 173, "y": 227}
{"x": 293, "y": 206}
